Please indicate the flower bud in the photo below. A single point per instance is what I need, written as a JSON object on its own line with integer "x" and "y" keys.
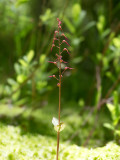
{"x": 56, "y": 32}
{"x": 60, "y": 28}
{"x": 66, "y": 68}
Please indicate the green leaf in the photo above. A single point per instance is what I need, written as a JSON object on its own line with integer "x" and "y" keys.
{"x": 11, "y": 81}
{"x": 55, "y": 121}
{"x": 77, "y": 41}
{"x": 109, "y": 126}
{"x": 111, "y": 108}
{"x": 117, "y": 132}
{"x": 98, "y": 96}
{"x": 88, "y": 26}
{"x": 23, "y": 63}
{"x": 48, "y": 16}
{"x": 16, "y": 95}
{"x": 76, "y": 10}
{"x": 77, "y": 60}
{"x": 105, "y": 63}
{"x": 116, "y": 103}
{"x": 101, "y": 23}
{"x": 30, "y": 55}
{"x": 58, "y": 127}
{"x": 21, "y": 78}
{"x": 42, "y": 58}
{"x": 81, "y": 103}
{"x": 17, "y": 68}
{"x": 20, "y": 2}
{"x": 115, "y": 122}
{"x": 69, "y": 25}
{"x": 116, "y": 42}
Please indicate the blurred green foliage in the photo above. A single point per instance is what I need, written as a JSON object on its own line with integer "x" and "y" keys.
{"x": 90, "y": 93}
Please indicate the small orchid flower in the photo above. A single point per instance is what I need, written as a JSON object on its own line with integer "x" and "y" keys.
{"x": 65, "y": 49}
{"x": 59, "y": 22}
{"x": 64, "y": 41}
{"x": 52, "y": 62}
{"x": 64, "y": 36}
{"x": 53, "y": 45}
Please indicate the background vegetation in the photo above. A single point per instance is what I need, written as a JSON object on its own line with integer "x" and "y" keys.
{"x": 90, "y": 92}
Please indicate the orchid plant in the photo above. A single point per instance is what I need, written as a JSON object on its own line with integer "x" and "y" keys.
{"x": 60, "y": 37}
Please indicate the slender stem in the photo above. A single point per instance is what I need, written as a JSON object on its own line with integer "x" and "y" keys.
{"x": 58, "y": 133}
{"x": 58, "y": 137}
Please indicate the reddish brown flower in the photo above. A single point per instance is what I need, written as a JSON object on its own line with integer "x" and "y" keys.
{"x": 64, "y": 36}
{"x": 64, "y": 41}
{"x": 65, "y": 49}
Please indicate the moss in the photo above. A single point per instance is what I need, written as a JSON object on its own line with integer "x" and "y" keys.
{"x": 13, "y": 145}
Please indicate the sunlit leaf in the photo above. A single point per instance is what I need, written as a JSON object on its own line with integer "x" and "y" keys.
{"x": 17, "y": 68}
{"x": 117, "y": 132}
{"x": 55, "y": 121}
{"x": 19, "y": 2}
{"x": 101, "y": 23}
{"x": 109, "y": 126}
{"x": 58, "y": 127}
{"x": 111, "y": 108}
{"x": 23, "y": 63}
{"x": 30, "y": 55}
{"x": 76, "y": 10}
{"x": 21, "y": 78}
{"x": 69, "y": 25}
{"x": 42, "y": 58}
{"x": 11, "y": 81}
{"x": 116, "y": 42}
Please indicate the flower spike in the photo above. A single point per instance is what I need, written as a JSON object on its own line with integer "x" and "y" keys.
{"x": 58, "y": 62}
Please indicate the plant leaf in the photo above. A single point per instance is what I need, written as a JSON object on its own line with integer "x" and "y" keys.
{"x": 111, "y": 108}
{"x": 58, "y": 127}
{"x": 55, "y": 121}
{"x": 23, "y": 63}
{"x": 109, "y": 126}
{"x": 30, "y": 55}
